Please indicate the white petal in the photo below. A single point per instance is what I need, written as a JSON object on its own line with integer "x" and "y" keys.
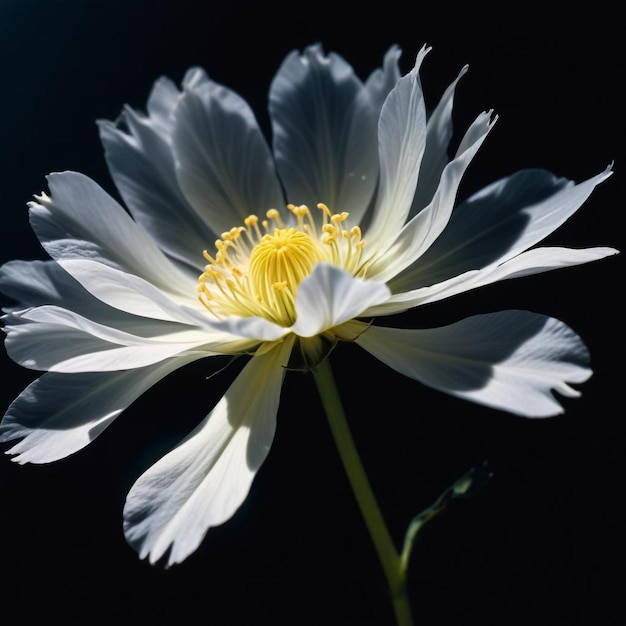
{"x": 438, "y": 135}
{"x": 255, "y": 328}
{"x": 528, "y": 263}
{"x": 136, "y": 296}
{"x": 401, "y": 143}
{"x": 539, "y": 260}
{"x": 203, "y": 481}
{"x": 141, "y": 159}
{"x": 161, "y": 102}
{"x": 31, "y": 283}
{"x": 36, "y": 283}
{"x": 382, "y": 80}
{"x": 81, "y": 221}
{"x": 511, "y": 360}
{"x": 324, "y": 129}
{"x": 497, "y": 223}
{"x": 142, "y": 165}
{"x": 223, "y": 163}
{"x": 59, "y": 414}
{"x": 330, "y": 296}
{"x": 133, "y": 294}
{"x": 419, "y": 234}
{"x": 544, "y": 217}
{"x": 55, "y": 339}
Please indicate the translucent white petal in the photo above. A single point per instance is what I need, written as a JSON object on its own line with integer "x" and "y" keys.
{"x": 324, "y": 129}
{"x": 497, "y": 223}
{"x": 161, "y": 102}
{"x": 254, "y": 328}
{"x": 81, "y": 221}
{"x": 419, "y": 234}
{"x": 438, "y": 135}
{"x": 139, "y": 153}
{"x": 203, "y": 481}
{"x": 511, "y": 360}
{"x": 55, "y": 339}
{"x": 541, "y": 260}
{"x": 131, "y": 293}
{"x": 142, "y": 165}
{"x": 59, "y": 414}
{"x": 544, "y": 217}
{"x": 36, "y": 283}
{"x": 141, "y": 298}
{"x": 528, "y": 263}
{"x": 330, "y": 296}
{"x": 31, "y": 283}
{"x": 136, "y": 296}
{"x": 382, "y": 80}
{"x": 401, "y": 144}
{"x": 223, "y": 164}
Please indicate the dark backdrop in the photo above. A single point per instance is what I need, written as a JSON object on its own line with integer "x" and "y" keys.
{"x": 542, "y": 544}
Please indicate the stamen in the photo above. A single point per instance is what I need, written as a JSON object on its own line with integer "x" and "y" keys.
{"x": 337, "y": 218}
{"x": 252, "y": 221}
{"x": 273, "y": 214}
{"x": 324, "y": 208}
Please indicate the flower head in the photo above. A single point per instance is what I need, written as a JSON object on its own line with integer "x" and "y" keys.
{"x": 231, "y": 248}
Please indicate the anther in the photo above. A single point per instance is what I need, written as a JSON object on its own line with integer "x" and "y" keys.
{"x": 337, "y": 218}
{"x": 273, "y": 214}
{"x": 324, "y": 208}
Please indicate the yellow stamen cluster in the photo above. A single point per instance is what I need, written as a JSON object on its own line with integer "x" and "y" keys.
{"x": 257, "y": 267}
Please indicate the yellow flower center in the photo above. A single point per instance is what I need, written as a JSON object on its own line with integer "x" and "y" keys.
{"x": 257, "y": 267}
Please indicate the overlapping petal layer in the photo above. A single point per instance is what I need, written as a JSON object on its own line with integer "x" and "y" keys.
{"x": 488, "y": 236}
{"x": 80, "y": 221}
{"x": 53, "y": 339}
{"x": 139, "y": 153}
{"x": 223, "y": 164}
{"x": 324, "y": 131}
{"x": 402, "y": 133}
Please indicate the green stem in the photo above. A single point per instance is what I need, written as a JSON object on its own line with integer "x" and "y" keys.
{"x": 392, "y": 564}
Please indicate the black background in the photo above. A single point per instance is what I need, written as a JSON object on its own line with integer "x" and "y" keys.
{"x": 541, "y": 544}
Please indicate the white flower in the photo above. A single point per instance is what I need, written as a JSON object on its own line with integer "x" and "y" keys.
{"x": 373, "y": 230}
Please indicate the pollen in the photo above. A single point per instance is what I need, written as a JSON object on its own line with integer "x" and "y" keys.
{"x": 256, "y": 268}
